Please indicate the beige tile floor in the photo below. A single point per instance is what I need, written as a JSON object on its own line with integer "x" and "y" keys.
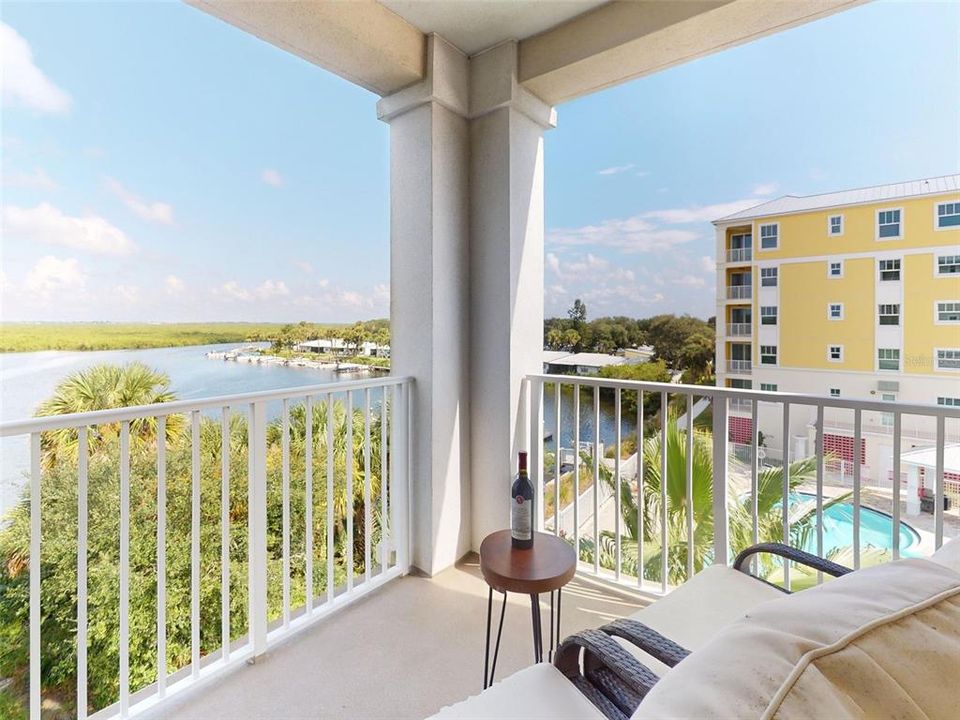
{"x": 404, "y": 651}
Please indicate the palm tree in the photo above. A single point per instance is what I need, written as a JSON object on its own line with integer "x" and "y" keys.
{"x": 769, "y": 513}
{"x": 340, "y": 463}
{"x": 104, "y": 387}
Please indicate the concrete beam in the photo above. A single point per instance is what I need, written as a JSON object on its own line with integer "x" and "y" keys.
{"x": 360, "y": 40}
{"x": 621, "y": 41}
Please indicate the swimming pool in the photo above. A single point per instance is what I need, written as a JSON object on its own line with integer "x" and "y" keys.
{"x": 875, "y": 529}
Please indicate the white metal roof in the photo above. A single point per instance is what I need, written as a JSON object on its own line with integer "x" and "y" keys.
{"x": 859, "y": 196}
{"x": 550, "y": 356}
{"x": 590, "y": 360}
{"x": 927, "y": 457}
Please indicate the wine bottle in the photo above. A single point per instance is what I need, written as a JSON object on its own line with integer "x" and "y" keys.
{"x": 521, "y": 508}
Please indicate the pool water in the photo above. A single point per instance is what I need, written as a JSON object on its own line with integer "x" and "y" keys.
{"x": 876, "y": 529}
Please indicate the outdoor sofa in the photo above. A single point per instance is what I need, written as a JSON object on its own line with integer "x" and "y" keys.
{"x": 881, "y": 642}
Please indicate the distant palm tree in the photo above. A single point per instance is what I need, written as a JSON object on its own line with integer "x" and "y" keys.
{"x": 104, "y": 387}
{"x": 769, "y": 513}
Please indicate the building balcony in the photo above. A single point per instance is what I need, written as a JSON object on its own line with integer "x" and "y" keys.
{"x": 739, "y": 255}
{"x": 739, "y": 329}
{"x": 739, "y": 292}
{"x": 740, "y": 367}
{"x": 213, "y": 536}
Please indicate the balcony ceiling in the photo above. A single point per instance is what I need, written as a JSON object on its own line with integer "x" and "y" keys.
{"x": 476, "y": 26}
{"x": 566, "y": 48}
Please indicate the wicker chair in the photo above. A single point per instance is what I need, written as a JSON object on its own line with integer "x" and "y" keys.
{"x": 616, "y": 681}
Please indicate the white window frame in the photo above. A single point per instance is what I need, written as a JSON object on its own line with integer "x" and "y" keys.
{"x": 936, "y": 214}
{"x": 936, "y": 359}
{"x": 886, "y": 419}
{"x": 834, "y": 392}
{"x": 776, "y": 355}
{"x": 899, "y": 360}
{"x": 936, "y": 265}
{"x": 760, "y": 227}
{"x": 899, "y": 235}
{"x": 830, "y": 274}
{"x": 830, "y": 307}
{"x": 776, "y": 315}
{"x": 881, "y": 314}
{"x": 947, "y": 401}
{"x": 830, "y": 357}
{"x": 881, "y": 271}
{"x": 936, "y": 312}
{"x": 768, "y": 387}
{"x": 830, "y": 219}
{"x": 776, "y": 276}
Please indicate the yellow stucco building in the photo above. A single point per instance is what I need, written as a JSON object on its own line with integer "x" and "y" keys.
{"x": 851, "y": 294}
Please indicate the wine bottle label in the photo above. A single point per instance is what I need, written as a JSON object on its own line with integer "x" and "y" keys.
{"x": 520, "y": 524}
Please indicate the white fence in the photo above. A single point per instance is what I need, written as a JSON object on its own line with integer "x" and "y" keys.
{"x": 362, "y": 425}
{"x": 615, "y": 544}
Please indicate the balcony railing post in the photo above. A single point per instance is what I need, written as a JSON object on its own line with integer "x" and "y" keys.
{"x": 257, "y": 527}
{"x": 721, "y": 542}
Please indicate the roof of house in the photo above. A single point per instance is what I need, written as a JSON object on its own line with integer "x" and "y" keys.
{"x": 550, "y": 356}
{"x": 927, "y": 457}
{"x": 589, "y": 360}
{"x": 858, "y": 196}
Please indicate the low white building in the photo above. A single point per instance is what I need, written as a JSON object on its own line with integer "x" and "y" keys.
{"x": 339, "y": 346}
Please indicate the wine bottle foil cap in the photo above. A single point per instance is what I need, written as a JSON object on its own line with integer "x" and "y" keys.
{"x": 523, "y": 460}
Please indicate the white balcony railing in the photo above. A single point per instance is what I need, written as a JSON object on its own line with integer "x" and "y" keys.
{"x": 735, "y": 255}
{"x": 153, "y": 457}
{"x": 599, "y": 506}
{"x": 739, "y": 329}
{"x": 739, "y": 292}
{"x": 741, "y": 367}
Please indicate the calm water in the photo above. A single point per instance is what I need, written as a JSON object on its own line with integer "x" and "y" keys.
{"x": 27, "y": 379}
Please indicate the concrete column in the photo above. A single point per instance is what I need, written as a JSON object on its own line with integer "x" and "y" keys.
{"x": 466, "y": 176}
{"x": 506, "y": 274}
{"x": 429, "y": 308}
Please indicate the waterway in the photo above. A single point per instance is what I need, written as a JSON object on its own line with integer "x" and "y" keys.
{"x": 27, "y": 379}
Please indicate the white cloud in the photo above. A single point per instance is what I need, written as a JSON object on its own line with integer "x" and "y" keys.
{"x": 266, "y": 290}
{"x": 766, "y": 188}
{"x": 304, "y": 265}
{"x": 128, "y": 293}
{"x": 47, "y": 224}
{"x": 157, "y": 212}
{"x": 616, "y": 169}
{"x": 52, "y": 274}
{"x": 24, "y": 84}
{"x": 553, "y": 262}
{"x": 631, "y": 234}
{"x": 36, "y": 180}
{"x": 690, "y": 281}
{"x": 173, "y": 285}
{"x": 271, "y": 177}
{"x": 708, "y": 265}
{"x": 700, "y": 213}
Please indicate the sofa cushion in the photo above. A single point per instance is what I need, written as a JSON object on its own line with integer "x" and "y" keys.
{"x": 880, "y": 642}
{"x": 539, "y": 692}
{"x": 948, "y": 555}
{"x": 695, "y": 611}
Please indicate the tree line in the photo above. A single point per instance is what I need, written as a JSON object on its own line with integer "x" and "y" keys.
{"x": 681, "y": 342}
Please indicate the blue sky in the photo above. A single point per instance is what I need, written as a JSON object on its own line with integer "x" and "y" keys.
{"x": 160, "y": 165}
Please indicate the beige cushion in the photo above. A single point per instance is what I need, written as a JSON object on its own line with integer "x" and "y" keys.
{"x": 694, "y": 612}
{"x": 539, "y": 692}
{"x": 881, "y": 642}
{"x": 949, "y": 555}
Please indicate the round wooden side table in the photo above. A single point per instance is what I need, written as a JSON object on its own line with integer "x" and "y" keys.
{"x": 546, "y": 567}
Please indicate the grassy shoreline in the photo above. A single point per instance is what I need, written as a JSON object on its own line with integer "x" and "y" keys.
{"x": 28, "y": 337}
